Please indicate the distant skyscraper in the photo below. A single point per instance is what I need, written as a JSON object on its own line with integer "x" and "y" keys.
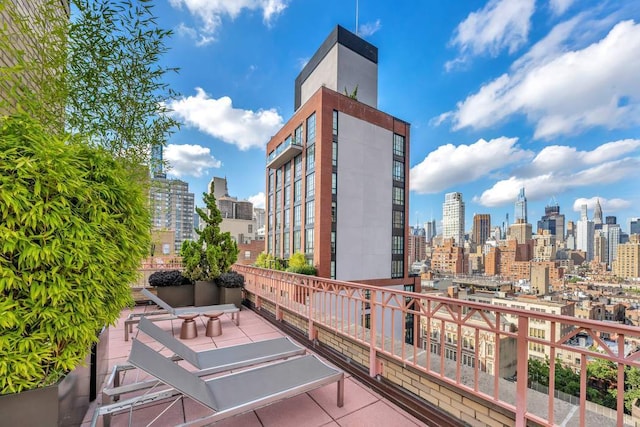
{"x": 584, "y": 234}
{"x": 430, "y": 230}
{"x": 481, "y": 228}
{"x": 553, "y": 221}
{"x": 597, "y": 215}
{"x": 218, "y": 186}
{"x": 521, "y": 207}
{"x": 611, "y": 231}
{"x": 172, "y": 208}
{"x": 634, "y": 226}
{"x": 453, "y": 218}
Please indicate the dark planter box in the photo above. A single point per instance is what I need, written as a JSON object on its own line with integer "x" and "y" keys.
{"x": 176, "y": 296}
{"x": 231, "y": 296}
{"x": 206, "y": 293}
{"x": 64, "y": 403}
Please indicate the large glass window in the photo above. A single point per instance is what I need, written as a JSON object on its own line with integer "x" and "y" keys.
{"x": 398, "y": 196}
{"x": 297, "y": 164}
{"x": 398, "y": 171}
{"x": 308, "y": 241}
{"x": 333, "y": 242}
{"x": 296, "y": 216}
{"x": 278, "y": 220}
{"x": 334, "y": 183}
{"x": 334, "y": 154}
{"x": 335, "y": 122}
{"x": 311, "y": 157}
{"x": 278, "y": 178}
{"x": 398, "y": 219}
{"x": 296, "y": 241}
{"x": 334, "y": 211}
{"x": 310, "y": 185}
{"x": 310, "y": 212}
{"x": 398, "y": 145}
{"x": 397, "y": 247}
{"x": 278, "y": 199}
{"x": 287, "y": 215}
{"x": 397, "y": 269}
{"x": 297, "y": 191}
{"x": 285, "y": 244}
{"x": 287, "y": 196}
{"x": 297, "y": 135}
{"x": 271, "y": 177}
{"x": 311, "y": 129}
{"x": 287, "y": 173}
{"x": 333, "y": 269}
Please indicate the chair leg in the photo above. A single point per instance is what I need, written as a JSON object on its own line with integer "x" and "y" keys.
{"x": 341, "y": 393}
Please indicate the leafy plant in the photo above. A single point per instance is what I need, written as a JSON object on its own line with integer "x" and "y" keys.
{"x": 74, "y": 227}
{"x": 231, "y": 279}
{"x": 168, "y": 278}
{"x": 214, "y": 252}
{"x": 309, "y": 270}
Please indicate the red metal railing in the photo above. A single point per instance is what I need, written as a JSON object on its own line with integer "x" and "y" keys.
{"x": 451, "y": 338}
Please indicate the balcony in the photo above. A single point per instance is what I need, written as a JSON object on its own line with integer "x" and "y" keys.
{"x": 467, "y": 364}
{"x": 284, "y": 153}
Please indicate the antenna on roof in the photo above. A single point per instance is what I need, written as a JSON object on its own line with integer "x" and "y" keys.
{"x": 356, "y": 17}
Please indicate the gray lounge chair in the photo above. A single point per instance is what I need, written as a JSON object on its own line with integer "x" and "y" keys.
{"x": 169, "y": 312}
{"x": 208, "y": 361}
{"x": 231, "y": 394}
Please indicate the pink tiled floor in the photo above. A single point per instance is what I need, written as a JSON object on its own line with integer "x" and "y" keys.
{"x": 362, "y": 406}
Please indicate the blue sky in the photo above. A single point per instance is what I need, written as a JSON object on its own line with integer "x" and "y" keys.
{"x": 500, "y": 94}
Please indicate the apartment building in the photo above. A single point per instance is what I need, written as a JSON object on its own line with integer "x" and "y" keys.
{"x": 337, "y": 172}
{"x": 627, "y": 263}
{"x": 172, "y": 207}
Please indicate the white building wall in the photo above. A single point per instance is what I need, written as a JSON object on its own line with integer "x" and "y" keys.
{"x": 364, "y": 200}
{"x": 343, "y": 68}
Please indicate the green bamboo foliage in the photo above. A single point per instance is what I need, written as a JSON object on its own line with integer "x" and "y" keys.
{"x": 73, "y": 231}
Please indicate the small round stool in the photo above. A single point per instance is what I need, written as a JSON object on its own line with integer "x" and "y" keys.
{"x": 188, "y": 329}
{"x": 214, "y": 325}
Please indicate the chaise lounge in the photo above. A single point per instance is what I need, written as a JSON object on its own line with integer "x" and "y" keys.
{"x": 208, "y": 361}
{"x": 171, "y": 313}
{"x": 231, "y": 394}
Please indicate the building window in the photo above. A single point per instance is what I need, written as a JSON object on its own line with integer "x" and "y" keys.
{"x": 398, "y": 219}
{"x": 285, "y": 244}
{"x": 310, "y": 212}
{"x": 297, "y": 191}
{"x": 278, "y": 199}
{"x": 287, "y": 196}
{"x": 397, "y": 247}
{"x": 278, "y": 178}
{"x": 297, "y": 135}
{"x": 334, "y": 211}
{"x": 297, "y": 164}
{"x": 334, "y": 154}
{"x": 287, "y": 173}
{"x": 247, "y": 254}
{"x": 333, "y": 242}
{"x": 489, "y": 349}
{"x": 334, "y": 183}
{"x": 398, "y": 171}
{"x": 250, "y": 228}
{"x": 278, "y": 220}
{"x": 287, "y": 221}
{"x": 311, "y": 157}
{"x": 397, "y": 269}
{"x": 296, "y": 216}
{"x": 335, "y": 122}
{"x": 311, "y": 129}
{"x": 398, "y": 196}
{"x": 308, "y": 241}
{"x": 271, "y": 182}
{"x": 398, "y": 145}
{"x": 333, "y": 270}
{"x": 310, "y": 187}
{"x": 296, "y": 241}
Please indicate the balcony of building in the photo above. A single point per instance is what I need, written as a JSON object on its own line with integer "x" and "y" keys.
{"x": 418, "y": 358}
{"x": 284, "y": 153}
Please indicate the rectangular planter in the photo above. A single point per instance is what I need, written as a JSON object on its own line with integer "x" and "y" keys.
{"x": 176, "y": 296}
{"x": 206, "y": 293}
{"x": 231, "y": 296}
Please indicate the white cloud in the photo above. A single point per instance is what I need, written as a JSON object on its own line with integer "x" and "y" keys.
{"x": 370, "y": 28}
{"x": 257, "y": 200}
{"x": 189, "y": 160}
{"x": 448, "y": 165}
{"x": 558, "y": 7}
{"x": 209, "y": 13}
{"x": 499, "y": 25}
{"x": 555, "y": 182}
{"x": 611, "y": 205}
{"x": 217, "y": 117}
{"x": 561, "y": 90}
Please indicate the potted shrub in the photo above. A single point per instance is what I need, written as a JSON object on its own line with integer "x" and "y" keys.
{"x": 172, "y": 287}
{"x": 211, "y": 255}
{"x": 75, "y": 227}
{"x": 231, "y": 285}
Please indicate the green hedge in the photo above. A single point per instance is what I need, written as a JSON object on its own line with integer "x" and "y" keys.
{"x": 74, "y": 226}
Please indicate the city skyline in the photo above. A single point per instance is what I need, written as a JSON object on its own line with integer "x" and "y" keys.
{"x": 468, "y": 77}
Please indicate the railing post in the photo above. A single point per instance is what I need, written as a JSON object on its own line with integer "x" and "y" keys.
{"x": 523, "y": 371}
{"x": 311, "y": 327}
{"x": 373, "y": 332}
